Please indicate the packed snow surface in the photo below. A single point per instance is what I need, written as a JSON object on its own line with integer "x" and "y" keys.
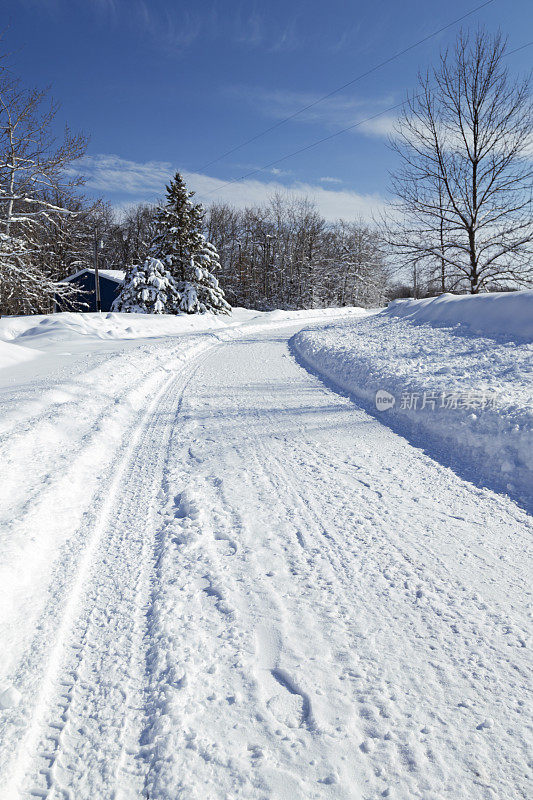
{"x": 222, "y": 578}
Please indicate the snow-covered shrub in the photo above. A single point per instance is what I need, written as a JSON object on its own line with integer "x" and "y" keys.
{"x": 147, "y": 289}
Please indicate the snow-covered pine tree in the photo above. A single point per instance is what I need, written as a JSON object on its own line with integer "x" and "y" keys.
{"x": 200, "y": 292}
{"x": 177, "y": 225}
{"x": 178, "y": 242}
{"x": 147, "y": 289}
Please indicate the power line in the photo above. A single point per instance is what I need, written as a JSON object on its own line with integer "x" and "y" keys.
{"x": 327, "y": 138}
{"x": 303, "y": 149}
{"x": 510, "y": 53}
{"x": 344, "y": 86}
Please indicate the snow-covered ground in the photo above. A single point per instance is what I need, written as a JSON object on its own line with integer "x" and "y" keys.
{"x": 43, "y": 333}
{"x": 220, "y": 578}
{"x": 459, "y": 372}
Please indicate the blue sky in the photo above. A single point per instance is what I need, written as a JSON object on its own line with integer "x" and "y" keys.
{"x": 161, "y": 85}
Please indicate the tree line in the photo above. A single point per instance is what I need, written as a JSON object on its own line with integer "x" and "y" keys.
{"x": 282, "y": 254}
{"x": 460, "y": 219}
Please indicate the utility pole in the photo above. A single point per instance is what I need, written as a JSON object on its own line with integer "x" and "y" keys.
{"x": 96, "y": 274}
{"x": 441, "y": 234}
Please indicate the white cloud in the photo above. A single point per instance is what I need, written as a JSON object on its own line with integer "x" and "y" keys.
{"x": 280, "y": 172}
{"x": 380, "y": 126}
{"x": 328, "y": 179}
{"x": 128, "y": 182}
{"x": 115, "y": 175}
{"x": 332, "y": 204}
{"x": 528, "y": 148}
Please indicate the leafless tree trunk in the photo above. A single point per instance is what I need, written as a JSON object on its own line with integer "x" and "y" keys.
{"x": 464, "y": 187}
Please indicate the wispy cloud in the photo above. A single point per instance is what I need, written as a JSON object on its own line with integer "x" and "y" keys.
{"x": 249, "y": 26}
{"x": 345, "y": 39}
{"x": 175, "y": 27}
{"x": 328, "y": 179}
{"x": 176, "y": 32}
{"x": 336, "y": 112}
{"x": 125, "y": 182}
{"x": 114, "y": 175}
{"x": 289, "y": 38}
{"x": 106, "y": 6}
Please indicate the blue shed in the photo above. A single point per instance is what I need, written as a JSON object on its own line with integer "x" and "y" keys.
{"x": 110, "y": 282}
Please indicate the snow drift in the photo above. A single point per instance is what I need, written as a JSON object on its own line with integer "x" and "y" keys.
{"x": 13, "y": 354}
{"x": 465, "y": 398}
{"x": 502, "y": 313}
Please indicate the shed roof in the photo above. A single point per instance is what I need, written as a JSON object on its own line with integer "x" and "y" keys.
{"x": 116, "y": 275}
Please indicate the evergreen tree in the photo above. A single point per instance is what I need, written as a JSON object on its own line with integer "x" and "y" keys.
{"x": 200, "y": 292}
{"x": 149, "y": 289}
{"x": 178, "y": 242}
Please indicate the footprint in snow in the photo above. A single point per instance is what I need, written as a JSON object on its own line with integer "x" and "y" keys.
{"x": 487, "y": 724}
{"x": 286, "y": 708}
{"x": 9, "y": 697}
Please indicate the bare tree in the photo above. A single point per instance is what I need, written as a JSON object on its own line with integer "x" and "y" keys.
{"x": 126, "y": 238}
{"x": 285, "y": 255}
{"x": 34, "y": 189}
{"x": 464, "y": 186}
{"x": 357, "y": 263}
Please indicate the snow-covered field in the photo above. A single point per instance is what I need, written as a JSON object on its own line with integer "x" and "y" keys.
{"x": 220, "y": 578}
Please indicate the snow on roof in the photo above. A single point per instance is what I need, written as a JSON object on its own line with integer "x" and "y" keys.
{"x": 116, "y": 275}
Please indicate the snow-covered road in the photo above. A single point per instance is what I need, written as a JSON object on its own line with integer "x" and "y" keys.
{"x": 274, "y": 596}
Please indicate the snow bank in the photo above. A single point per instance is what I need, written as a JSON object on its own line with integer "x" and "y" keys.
{"x": 504, "y": 314}
{"x": 42, "y": 330}
{"x": 466, "y": 399}
{"x": 12, "y": 354}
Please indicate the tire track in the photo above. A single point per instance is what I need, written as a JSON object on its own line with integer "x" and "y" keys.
{"x": 76, "y": 745}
